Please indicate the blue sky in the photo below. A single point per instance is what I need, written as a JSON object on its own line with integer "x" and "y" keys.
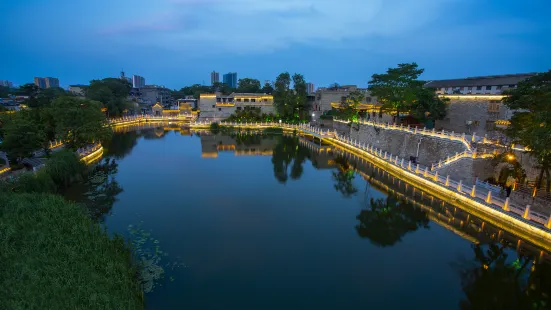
{"x": 179, "y": 42}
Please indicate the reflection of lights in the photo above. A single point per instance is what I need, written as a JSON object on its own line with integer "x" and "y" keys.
{"x": 510, "y": 157}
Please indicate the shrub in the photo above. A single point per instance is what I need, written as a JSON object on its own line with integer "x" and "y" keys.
{"x": 55, "y": 257}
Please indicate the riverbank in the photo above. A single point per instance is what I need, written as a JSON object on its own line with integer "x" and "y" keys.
{"x": 54, "y": 256}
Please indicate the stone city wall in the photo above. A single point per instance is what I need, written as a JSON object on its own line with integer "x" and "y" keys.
{"x": 431, "y": 150}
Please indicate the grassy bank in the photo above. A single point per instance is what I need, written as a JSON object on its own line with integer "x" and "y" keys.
{"x": 55, "y": 257}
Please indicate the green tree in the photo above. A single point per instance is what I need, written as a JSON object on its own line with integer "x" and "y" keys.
{"x": 531, "y": 121}
{"x": 388, "y": 220}
{"x": 248, "y": 85}
{"x": 79, "y": 122}
{"x": 267, "y": 88}
{"x": 300, "y": 97}
{"x": 428, "y": 107}
{"x": 112, "y": 93}
{"x": 22, "y": 136}
{"x": 349, "y": 107}
{"x": 397, "y": 89}
{"x": 282, "y": 95}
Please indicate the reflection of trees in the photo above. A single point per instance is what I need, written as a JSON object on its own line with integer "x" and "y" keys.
{"x": 493, "y": 281}
{"x": 388, "y": 220}
{"x": 247, "y": 138}
{"x": 101, "y": 189}
{"x": 122, "y": 144}
{"x": 289, "y": 151}
{"x": 343, "y": 177}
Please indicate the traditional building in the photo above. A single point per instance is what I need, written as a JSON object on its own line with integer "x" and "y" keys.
{"x": 328, "y": 98}
{"x": 475, "y": 103}
{"x": 219, "y": 106}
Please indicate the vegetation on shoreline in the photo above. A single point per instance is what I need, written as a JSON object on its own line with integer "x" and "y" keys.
{"x": 55, "y": 257}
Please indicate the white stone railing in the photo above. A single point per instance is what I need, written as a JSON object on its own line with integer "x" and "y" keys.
{"x": 127, "y": 120}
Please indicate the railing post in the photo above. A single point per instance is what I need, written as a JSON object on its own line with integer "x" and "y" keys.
{"x": 409, "y": 165}
{"x": 402, "y": 163}
{"x": 506, "y": 205}
{"x": 447, "y": 180}
{"x": 489, "y": 197}
{"x": 436, "y": 176}
{"x": 527, "y": 213}
{"x": 384, "y": 156}
{"x": 417, "y": 169}
{"x": 473, "y": 191}
{"x": 548, "y": 222}
{"x": 474, "y": 137}
{"x": 459, "y": 185}
{"x": 426, "y": 172}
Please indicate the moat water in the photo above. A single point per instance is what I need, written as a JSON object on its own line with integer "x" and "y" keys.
{"x": 249, "y": 221}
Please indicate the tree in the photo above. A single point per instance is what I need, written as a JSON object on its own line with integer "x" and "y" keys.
{"x": 22, "y": 136}
{"x": 300, "y": 100}
{"x": 267, "y": 89}
{"x": 397, "y": 89}
{"x": 531, "y": 122}
{"x": 349, "y": 107}
{"x": 112, "y": 92}
{"x": 282, "y": 95}
{"x": 428, "y": 106}
{"x": 79, "y": 122}
{"x": 248, "y": 85}
{"x": 388, "y": 220}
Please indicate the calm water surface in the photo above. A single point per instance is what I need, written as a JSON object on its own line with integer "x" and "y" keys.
{"x": 249, "y": 222}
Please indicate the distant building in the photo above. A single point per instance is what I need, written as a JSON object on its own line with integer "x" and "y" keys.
{"x": 51, "y": 82}
{"x": 6, "y": 83}
{"x": 47, "y": 82}
{"x": 310, "y": 88}
{"x": 475, "y": 103}
{"x": 220, "y": 106}
{"x": 214, "y": 77}
{"x": 230, "y": 79}
{"x": 138, "y": 81}
{"x": 78, "y": 90}
{"x": 151, "y": 94}
{"x": 40, "y": 82}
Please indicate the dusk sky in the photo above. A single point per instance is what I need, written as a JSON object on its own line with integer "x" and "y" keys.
{"x": 179, "y": 42}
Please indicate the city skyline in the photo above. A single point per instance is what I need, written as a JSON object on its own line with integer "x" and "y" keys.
{"x": 165, "y": 43}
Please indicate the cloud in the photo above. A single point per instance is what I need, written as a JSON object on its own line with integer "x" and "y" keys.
{"x": 248, "y": 26}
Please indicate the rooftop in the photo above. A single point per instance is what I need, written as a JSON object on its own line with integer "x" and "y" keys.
{"x": 491, "y": 80}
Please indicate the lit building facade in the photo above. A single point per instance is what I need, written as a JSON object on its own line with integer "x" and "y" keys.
{"x": 219, "y": 106}
{"x": 230, "y": 79}
{"x": 151, "y": 94}
{"x": 475, "y": 103}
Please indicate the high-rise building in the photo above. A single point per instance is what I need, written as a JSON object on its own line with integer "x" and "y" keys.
{"x": 40, "y": 82}
{"x": 214, "y": 77}
{"x": 46, "y": 82}
{"x": 310, "y": 88}
{"x": 51, "y": 82}
{"x": 138, "y": 81}
{"x": 6, "y": 83}
{"x": 230, "y": 79}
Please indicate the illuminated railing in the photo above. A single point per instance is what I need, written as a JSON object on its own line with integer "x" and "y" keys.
{"x": 130, "y": 120}
{"x": 90, "y": 154}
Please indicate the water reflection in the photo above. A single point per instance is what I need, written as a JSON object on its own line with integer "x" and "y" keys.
{"x": 344, "y": 177}
{"x": 288, "y": 158}
{"x": 388, "y": 220}
{"x": 494, "y": 279}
